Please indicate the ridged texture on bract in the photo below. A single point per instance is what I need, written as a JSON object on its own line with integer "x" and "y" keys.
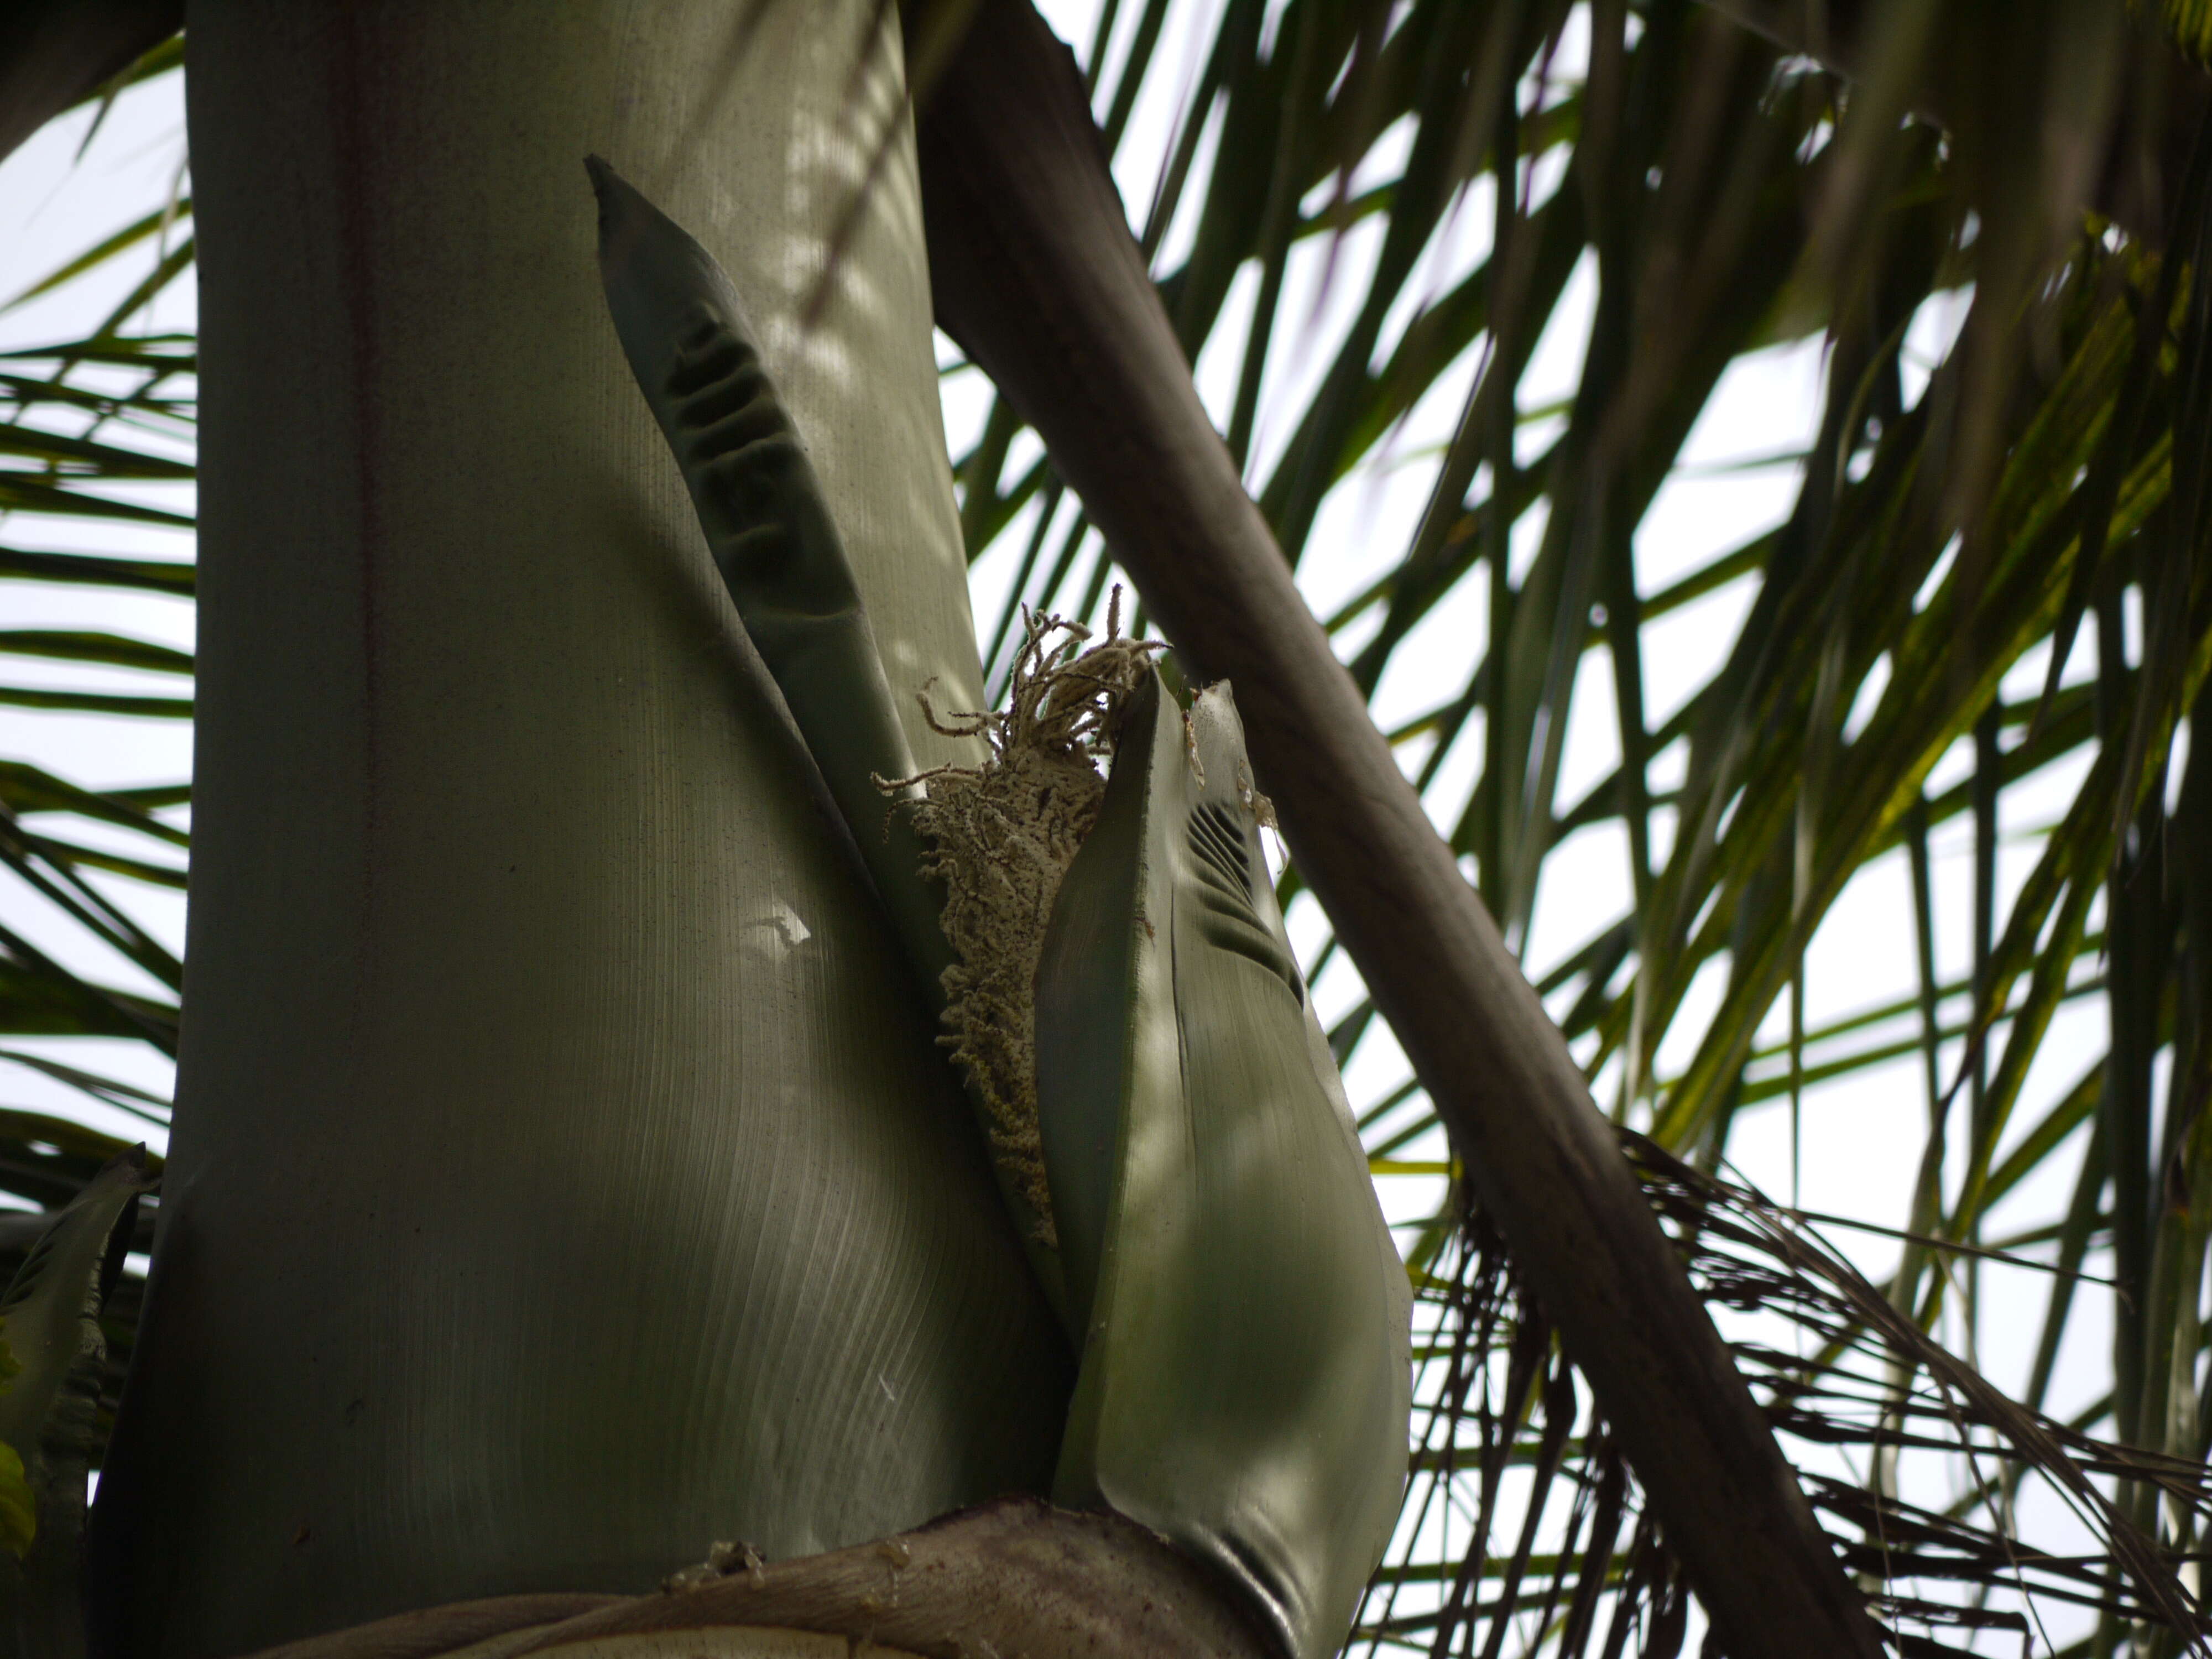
{"x": 1244, "y": 1387}
{"x": 775, "y": 544}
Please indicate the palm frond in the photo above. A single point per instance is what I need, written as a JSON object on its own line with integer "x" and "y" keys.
{"x": 1510, "y": 1455}
{"x": 1958, "y": 524}
{"x": 96, "y": 440}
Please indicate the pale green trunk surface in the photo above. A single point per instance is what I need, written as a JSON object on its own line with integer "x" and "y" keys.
{"x": 564, "y": 1176}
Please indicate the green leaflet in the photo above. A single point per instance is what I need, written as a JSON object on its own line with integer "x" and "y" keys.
{"x": 2191, "y": 21}
{"x": 50, "y": 1333}
{"x": 49, "y": 1316}
{"x": 1244, "y": 1385}
{"x": 19, "y": 1510}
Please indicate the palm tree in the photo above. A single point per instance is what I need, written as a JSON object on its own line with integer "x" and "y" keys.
{"x": 1948, "y": 537}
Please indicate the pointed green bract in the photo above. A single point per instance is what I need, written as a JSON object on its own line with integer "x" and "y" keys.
{"x": 19, "y": 1509}
{"x": 776, "y": 546}
{"x": 774, "y": 541}
{"x": 1244, "y": 1381}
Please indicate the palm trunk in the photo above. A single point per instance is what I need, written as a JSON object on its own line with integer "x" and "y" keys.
{"x": 563, "y": 1177}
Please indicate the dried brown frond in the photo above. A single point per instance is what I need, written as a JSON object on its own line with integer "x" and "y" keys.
{"x": 1584, "y": 1568}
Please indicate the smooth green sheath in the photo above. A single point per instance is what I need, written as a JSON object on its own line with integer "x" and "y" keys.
{"x": 768, "y": 527}
{"x": 1245, "y": 1372}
